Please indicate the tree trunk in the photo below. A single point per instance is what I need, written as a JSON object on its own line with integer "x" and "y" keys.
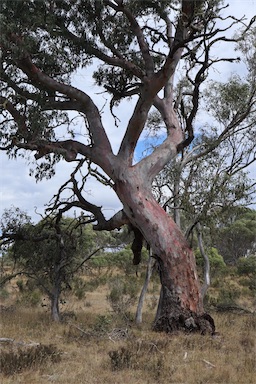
{"x": 182, "y": 304}
{"x": 55, "y": 312}
{"x": 138, "y": 317}
{"x": 176, "y": 197}
{"x": 159, "y": 306}
{"x": 207, "y": 280}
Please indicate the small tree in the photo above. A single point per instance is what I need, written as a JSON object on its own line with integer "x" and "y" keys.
{"x": 246, "y": 266}
{"x": 235, "y": 235}
{"x": 50, "y": 252}
{"x": 216, "y": 261}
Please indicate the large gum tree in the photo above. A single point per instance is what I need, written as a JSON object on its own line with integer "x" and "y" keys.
{"x": 136, "y": 48}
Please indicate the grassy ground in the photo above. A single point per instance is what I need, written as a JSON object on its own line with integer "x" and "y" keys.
{"x": 96, "y": 347}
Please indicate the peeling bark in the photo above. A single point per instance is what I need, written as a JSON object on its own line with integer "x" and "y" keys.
{"x": 182, "y": 304}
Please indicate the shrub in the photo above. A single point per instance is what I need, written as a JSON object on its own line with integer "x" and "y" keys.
{"x": 121, "y": 359}
{"x": 246, "y": 266}
{"x": 12, "y": 362}
{"x": 102, "y": 324}
{"x": 32, "y": 298}
{"x": 20, "y": 285}
{"x": 79, "y": 288}
{"x": 217, "y": 262}
{"x": 228, "y": 295}
{"x": 123, "y": 294}
{"x": 4, "y": 294}
{"x": 141, "y": 354}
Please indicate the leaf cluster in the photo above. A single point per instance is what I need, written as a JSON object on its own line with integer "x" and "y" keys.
{"x": 236, "y": 237}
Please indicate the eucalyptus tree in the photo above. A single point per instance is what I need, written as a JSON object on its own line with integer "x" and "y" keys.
{"x": 235, "y": 235}
{"x": 210, "y": 178}
{"x": 137, "y": 47}
{"x": 203, "y": 187}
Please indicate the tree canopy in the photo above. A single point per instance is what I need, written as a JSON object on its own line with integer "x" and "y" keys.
{"x": 235, "y": 235}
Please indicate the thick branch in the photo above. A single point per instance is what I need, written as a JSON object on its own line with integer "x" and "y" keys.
{"x": 86, "y": 105}
{"x": 116, "y": 222}
{"x": 22, "y": 92}
{"x": 151, "y": 88}
{"x": 144, "y": 48}
{"x": 135, "y": 126}
{"x": 79, "y": 100}
{"x": 68, "y": 148}
{"x": 8, "y": 278}
{"x": 86, "y": 205}
{"x": 114, "y": 61}
{"x": 19, "y": 119}
{"x": 155, "y": 162}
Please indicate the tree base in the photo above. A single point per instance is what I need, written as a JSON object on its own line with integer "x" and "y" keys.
{"x": 186, "y": 321}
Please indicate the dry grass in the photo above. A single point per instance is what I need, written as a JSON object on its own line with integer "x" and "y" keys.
{"x": 92, "y": 354}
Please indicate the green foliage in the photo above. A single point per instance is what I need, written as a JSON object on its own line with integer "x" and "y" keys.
{"x": 4, "y": 294}
{"x": 217, "y": 263}
{"x": 228, "y": 294}
{"x": 122, "y": 294}
{"x": 50, "y": 254}
{"x": 79, "y": 287}
{"x": 102, "y": 324}
{"x": 246, "y": 266}
{"x": 42, "y": 46}
{"x": 30, "y": 297}
{"x": 225, "y": 100}
{"x": 119, "y": 259}
{"x": 235, "y": 237}
{"x": 13, "y": 221}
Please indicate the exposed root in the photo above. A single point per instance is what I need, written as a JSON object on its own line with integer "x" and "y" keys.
{"x": 185, "y": 321}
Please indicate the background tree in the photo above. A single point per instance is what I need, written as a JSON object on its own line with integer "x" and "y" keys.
{"x": 51, "y": 252}
{"x": 235, "y": 235}
{"x": 246, "y": 266}
{"x": 202, "y": 190}
{"x": 138, "y": 47}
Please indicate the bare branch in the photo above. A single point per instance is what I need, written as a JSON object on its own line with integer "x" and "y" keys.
{"x": 116, "y": 221}
{"x": 19, "y": 119}
{"x": 144, "y": 48}
{"x": 114, "y": 61}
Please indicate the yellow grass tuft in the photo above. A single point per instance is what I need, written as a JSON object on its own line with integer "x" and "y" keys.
{"x": 98, "y": 348}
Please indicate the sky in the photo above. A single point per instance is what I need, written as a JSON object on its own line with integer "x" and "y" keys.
{"x": 18, "y": 189}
